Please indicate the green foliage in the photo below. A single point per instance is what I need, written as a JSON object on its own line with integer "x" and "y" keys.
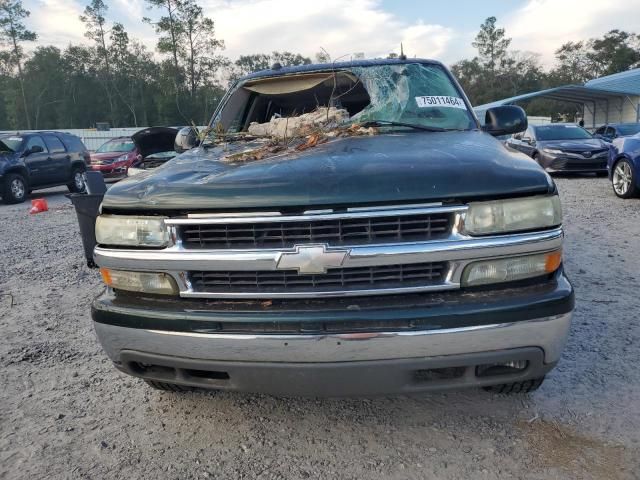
{"x": 262, "y": 61}
{"x": 498, "y": 72}
{"x": 12, "y": 34}
{"x": 491, "y": 44}
{"x": 614, "y": 52}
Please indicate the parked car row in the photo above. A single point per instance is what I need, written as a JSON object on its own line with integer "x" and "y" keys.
{"x": 613, "y": 150}
{"x": 48, "y": 159}
{"x": 33, "y": 161}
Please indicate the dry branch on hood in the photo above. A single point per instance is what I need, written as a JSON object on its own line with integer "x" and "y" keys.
{"x": 281, "y": 136}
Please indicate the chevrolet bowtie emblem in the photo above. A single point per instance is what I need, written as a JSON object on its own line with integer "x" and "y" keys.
{"x": 311, "y": 259}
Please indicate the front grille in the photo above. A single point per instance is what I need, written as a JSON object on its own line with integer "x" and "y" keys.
{"x": 592, "y": 153}
{"x": 339, "y": 231}
{"x": 336, "y": 279}
{"x": 564, "y": 164}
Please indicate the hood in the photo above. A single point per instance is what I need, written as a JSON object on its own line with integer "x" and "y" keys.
{"x": 7, "y": 156}
{"x": 574, "y": 145}
{"x": 97, "y": 157}
{"x": 154, "y": 140}
{"x": 389, "y": 168}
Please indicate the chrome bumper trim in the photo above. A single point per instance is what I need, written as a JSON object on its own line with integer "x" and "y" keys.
{"x": 548, "y": 333}
{"x": 458, "y": 247}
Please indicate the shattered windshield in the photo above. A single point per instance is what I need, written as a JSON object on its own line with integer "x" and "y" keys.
{"x": 412, "y": 93}
{"x": 415, "y": 94}
{"x": 10, "y": 144}
{"x": 267, "y": 116}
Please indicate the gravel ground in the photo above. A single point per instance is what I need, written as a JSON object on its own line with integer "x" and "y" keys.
{"x": 66, "y": 413}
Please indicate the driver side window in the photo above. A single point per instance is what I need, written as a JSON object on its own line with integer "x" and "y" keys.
{"x": 35, "y": 141}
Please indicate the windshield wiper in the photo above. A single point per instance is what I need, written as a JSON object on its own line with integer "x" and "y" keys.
{"x": 381, "y": 123}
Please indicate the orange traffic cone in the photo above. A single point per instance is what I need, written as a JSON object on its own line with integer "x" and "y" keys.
{"x": 38, "y": 205}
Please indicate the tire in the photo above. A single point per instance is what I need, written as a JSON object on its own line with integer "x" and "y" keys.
{"x": 623, "y": 179}
{"x": 14, "y": 189}
{"x": 525, "y": 386}
{"x": 77, "y": 181}
{"x": 168, "y": 387}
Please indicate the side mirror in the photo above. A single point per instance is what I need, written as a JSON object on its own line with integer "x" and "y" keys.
{"x": 34, "y": 149}
{"x": 186, "y": 139}
{"x": 505, "y": 120}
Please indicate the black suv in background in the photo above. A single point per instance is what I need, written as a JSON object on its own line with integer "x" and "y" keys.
{"x": 31, "y": 161}
{"x": 563, "y": 147}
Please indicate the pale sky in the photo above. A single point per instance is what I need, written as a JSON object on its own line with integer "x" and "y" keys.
{"x": 428, "y": 29}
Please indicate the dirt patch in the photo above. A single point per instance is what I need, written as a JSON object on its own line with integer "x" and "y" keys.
{"x": 41, "y": 352}
{"x": 558, "y": 447}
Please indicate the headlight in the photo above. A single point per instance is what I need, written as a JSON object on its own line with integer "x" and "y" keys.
{"x": 122, "y": 230}
{"x": 520, "y": 214}
{"x": 502, "y": 270}
{"x": 553, "y": 151}
{"x": 159, "y": 283}
{"x": 122, "y": 158}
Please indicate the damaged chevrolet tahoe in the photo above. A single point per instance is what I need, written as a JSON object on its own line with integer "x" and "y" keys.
{"x": 343, "y": 229}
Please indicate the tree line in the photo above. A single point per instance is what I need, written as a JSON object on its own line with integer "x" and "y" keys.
{"x": 498, "y": 72}
{"x": 114, "y": 78}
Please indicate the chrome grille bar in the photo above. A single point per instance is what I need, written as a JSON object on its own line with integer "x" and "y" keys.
{"x": 258, "y": 218}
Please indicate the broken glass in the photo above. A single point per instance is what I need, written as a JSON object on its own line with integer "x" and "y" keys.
{"x": 413, "y": 93}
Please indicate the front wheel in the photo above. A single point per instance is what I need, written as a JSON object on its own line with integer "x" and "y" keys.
{"x": 77, "y": 181}
{"x": 14, "y": 188}
{"x": 624, "y": 180}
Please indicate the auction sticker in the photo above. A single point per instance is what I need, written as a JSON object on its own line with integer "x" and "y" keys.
{"x": 440, "y": 101}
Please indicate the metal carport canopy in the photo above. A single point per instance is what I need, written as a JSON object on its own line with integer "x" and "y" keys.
{"x": 568, "y": 93}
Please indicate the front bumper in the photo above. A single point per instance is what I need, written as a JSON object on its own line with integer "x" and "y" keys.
{"x": 111, "y": 171}
{"x": 553, "y": 163}
{"x": 339, "y": 365}
{"x": 443, "y": 346}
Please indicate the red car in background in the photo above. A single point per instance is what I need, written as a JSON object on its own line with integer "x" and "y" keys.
{"x": 114, "y": 157}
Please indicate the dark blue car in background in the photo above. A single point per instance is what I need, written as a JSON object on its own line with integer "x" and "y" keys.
{"x": 624, "y": 166}
{"x": 616, "y": 130}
